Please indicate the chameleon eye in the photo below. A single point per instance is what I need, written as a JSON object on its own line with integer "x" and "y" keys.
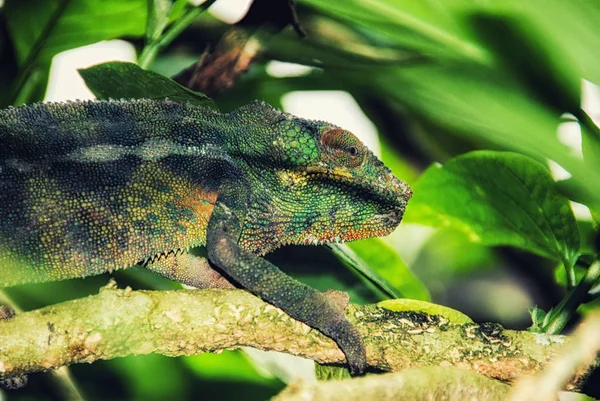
{"x": 342, "y": 147}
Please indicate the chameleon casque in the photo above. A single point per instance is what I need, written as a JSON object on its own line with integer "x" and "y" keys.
{"x": 91, "y": 187}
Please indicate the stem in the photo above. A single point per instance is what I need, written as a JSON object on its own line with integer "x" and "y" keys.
{"x": 568, "y": 306}
{"x": 151, "y": 49}
{"x": 588, "y": 123}
{"x": 570, "y": 272}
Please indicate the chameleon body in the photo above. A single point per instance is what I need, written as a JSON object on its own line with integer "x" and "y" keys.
{"x": 90, "y": 187}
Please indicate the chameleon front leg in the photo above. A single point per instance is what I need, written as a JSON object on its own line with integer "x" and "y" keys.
{"x": 265, "y": 280}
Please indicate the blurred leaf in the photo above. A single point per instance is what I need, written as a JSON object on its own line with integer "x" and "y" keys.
{"x": 139, "y": 373}
{"x": 378, "y": 262}
{"x": 411, "y": 305}
{"x": 448, "y": 255}
{"x": 58, "y": 25}
{"x": 92, "y": 20}
{"x": 571, "y": 190}
{"x": 498, "y": 198}
{"x": 400, "y": 167}
{"x": 333, "y": 45}
{"x": 483, "y": 105}
{"x": 424, "y": 26}
{"x": 278, "y": 365}
{"x": 328, "y": 372}
{"x": 319, "y": 268}
{"x": 570, "y": 28}
{"x": 440, "y": 29}
{"x": 463, "y": 90}
{"x": 219, "y": 366}
{"x": 178, "y": 8}
{"x": 118, "y": 80}
{"x": 171, "y": 65}
{"x": 524, "y": 52}
{"x": 478, "y": 103}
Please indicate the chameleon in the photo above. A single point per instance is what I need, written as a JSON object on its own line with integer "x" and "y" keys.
{"x": 88, "y": 187}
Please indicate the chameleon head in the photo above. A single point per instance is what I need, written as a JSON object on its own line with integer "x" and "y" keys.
{"x": 361, "y": 196}
{"x": 329, "y": 187}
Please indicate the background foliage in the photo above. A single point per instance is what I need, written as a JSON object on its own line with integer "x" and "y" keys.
{"x": 467, "y": 97}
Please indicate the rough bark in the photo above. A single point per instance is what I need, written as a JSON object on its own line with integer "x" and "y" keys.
{"x": 118, "y": 323}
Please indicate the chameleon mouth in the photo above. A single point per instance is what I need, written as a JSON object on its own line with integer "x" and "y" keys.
{"x": 380, "y": 225}
{"x": 389, "y": 190}
{"x": 389, "y": 219}
{"x": 384, "y": 201}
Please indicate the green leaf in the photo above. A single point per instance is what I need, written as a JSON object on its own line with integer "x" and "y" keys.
{"x": 498, "y": 198}
{"x": 118, "y": 80}
{"x": 58, "y": 25}
{"x": 570, "y": 28}
{"x": 440, "y": 29}
{"x": 411, "y": 305}
{"x": 487, "y": 106}
{"x": 422, "y": 26}
{"x": 213, "y": 366}
{"x": 539, "y": 318}
{"x": 379, "y": 263}
{"x": 135, "y": 372}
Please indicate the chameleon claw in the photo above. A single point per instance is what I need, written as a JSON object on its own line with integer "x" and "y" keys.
{"x": 350, "y": 341}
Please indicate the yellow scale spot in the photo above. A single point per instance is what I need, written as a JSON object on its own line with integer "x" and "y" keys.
{"x": 297, "y": 179}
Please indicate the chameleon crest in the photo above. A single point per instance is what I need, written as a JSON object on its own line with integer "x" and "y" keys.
{"x": 90, "y": 187}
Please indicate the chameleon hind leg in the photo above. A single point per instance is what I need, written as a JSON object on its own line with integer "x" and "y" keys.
{"x": 191, "y": 270}
{"x": 262, "y": 278}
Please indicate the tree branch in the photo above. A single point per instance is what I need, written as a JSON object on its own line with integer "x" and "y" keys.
{"x": 118, "y": 323}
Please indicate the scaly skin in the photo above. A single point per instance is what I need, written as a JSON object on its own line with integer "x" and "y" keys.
{"x": 90, "y": 187}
